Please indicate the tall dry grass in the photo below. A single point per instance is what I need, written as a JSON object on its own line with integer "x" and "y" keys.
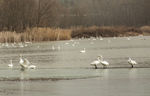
{"x": 36, "y": 35}
{"x": 52, "y": 34}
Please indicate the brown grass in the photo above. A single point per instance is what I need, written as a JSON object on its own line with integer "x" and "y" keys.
{"x": 36, "y": 35}
{"x": 105, "y": 31}
{"x": 145, "y": 30}
{"x": 52, "y": 34}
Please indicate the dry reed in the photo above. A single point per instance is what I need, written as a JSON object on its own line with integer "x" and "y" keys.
{"x": 52, "y": 34}
{"x": 36, "y": 35}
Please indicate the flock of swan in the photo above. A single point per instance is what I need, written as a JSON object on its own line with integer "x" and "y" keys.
{"x": 14, "y": 45}
{"x": 104, "y": 63}
{"x": 25, "y": 64}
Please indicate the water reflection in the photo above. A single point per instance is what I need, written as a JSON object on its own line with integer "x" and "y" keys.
{"x": 105, "y": 73}
{"x": 133, "y": 73}
{"x": 22, "y": 88}
{"x": 24, "y": 75}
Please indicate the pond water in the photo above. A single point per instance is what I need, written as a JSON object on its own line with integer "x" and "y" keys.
{"x": 63, "y": 71}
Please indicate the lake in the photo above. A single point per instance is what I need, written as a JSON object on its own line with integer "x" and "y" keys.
{"x": 63, "y": 71}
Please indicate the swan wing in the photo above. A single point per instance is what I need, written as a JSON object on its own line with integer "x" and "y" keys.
{"x": 32, "y": 66}
{"x": 105, "y": 63}
{"x": 95, "y": 62}
{"x": 133, "y": 62}
{"x": 26, "y": 61}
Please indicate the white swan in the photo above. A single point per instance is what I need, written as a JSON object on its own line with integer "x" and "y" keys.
{"x": 24, "y": 63}
{"x": 83, "y": 51}
{"x": 58, "y": 48}
{"x": 20, "y": 45}
{"x": 101, "y": 38}
{"x": 11, "y": 64}
{"x": 32, "y": 67}
{"x": 103, "y": 62}
{"x": 128, "y": 38}
{"x": 53, "y": 48}
{"x": 96, "y": 62}
{"x": 132, "y": 62}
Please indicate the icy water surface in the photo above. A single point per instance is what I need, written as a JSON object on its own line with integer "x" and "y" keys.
{"x": 63, "y": 71}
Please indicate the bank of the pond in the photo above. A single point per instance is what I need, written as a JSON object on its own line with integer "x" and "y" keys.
{"x": 53, "y": 34}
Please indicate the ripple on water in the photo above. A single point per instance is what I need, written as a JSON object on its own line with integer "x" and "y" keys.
{"x": 48, "y": 74}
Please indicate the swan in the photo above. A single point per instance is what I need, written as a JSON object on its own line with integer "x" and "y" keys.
{"x": 21, "y": 45}
{"x": 103, "y": 62}
{"x": 114, "y": 37}
{"x": 66, "y": 43}
{"x": 53, "y": 48}
{"x": 24, "y": 63}
{"x": 58, "y": 47}
{"x": 96, "y": 62}
{"x": 83, "y": 51}
{"x": 11, "y": 64}
{"x": 101, "y": 38}
{"x": 132, "y": 62}
{"x": 94, "y": 39}
{"x": 128, "y": 38}
{"x": 32, "y": 67}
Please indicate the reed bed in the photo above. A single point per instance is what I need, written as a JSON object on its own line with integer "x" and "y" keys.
{"x": 53, "y": 34}
{"x": 36, "y": 35}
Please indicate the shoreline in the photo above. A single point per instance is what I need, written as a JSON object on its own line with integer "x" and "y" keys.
{"x": 57, "y": 34}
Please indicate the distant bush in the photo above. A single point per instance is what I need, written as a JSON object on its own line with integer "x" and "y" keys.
{"x": 145, "y": 29}
{"x": 104, "y": 31}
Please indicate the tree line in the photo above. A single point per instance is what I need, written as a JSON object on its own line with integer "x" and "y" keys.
{"x": 21, "y": 14}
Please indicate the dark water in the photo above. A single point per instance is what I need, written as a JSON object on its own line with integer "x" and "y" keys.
{"x": 64, "y": 71}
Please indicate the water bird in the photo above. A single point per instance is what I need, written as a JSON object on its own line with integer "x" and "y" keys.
{"x": 101, "y": 38}
{"x": 128, "y": 38}
{"x": 58, "y": 47}
{"x": 66, "y": 43}
{"x": 32, "y": 67}
{"x": 6, "y": 44}
{"x": 132, "y": 62}
{"x": 103, "y": 62}
{"x": 28, "y": 42}
{"x": 13, "y": 45}
{"x": 94, "y": 39}
{"x": 11, "y": 64}
{"x": 114, "y": 37}
{"x": 25, "y": 45}
{"x": 73, "y": 44}
{"x": 53, "y": 48}
{"x": 83, "y": 51}
{"x": 24, "y": 63}
{"x": 96, "y": 62}
{"x": 21, "y": 45}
